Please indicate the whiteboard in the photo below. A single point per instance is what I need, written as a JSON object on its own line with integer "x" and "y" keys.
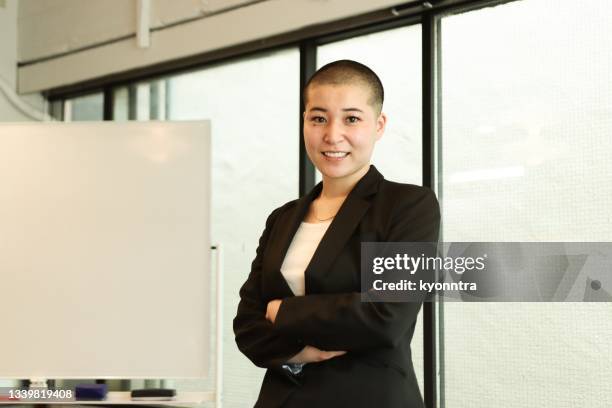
{"x": 104, "y": 250}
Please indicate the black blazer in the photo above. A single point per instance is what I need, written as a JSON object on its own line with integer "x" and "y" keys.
{"x": 377, "y": 369}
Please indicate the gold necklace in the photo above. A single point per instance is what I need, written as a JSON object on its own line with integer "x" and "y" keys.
{"x": 314, "y": 213}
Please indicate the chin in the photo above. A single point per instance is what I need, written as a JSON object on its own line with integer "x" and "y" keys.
{"x": 337, "y": 172}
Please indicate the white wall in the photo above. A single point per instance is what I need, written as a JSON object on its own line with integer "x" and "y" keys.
{"x": 68, "y": 41}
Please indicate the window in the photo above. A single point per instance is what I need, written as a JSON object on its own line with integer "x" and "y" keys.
{"x": 141, "y": 101}
{"x": 84, "y": 108}
{"x": 526, "y": 97}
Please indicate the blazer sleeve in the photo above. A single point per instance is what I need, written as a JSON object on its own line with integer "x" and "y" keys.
{"x": 255, "y": 335}
{"x": 342, "y": 321}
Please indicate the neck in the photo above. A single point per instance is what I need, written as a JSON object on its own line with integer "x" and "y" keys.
{"x": 341, "y": 187}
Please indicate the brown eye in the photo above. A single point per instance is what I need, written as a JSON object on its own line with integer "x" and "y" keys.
{"x": 352, "y": 119}
{"x": 318, "y": 119}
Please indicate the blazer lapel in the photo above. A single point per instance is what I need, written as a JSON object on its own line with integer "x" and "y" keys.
{"x": 342, "y": 227}
{"x": 340, "y": 230}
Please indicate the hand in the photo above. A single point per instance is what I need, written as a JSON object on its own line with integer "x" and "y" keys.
{"x": 310, "y": 354}
{"x": 272, "y": 309}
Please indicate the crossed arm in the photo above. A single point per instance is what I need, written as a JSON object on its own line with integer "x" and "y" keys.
{"x": 278, "y": 331}
{"x": 255, "y": 335}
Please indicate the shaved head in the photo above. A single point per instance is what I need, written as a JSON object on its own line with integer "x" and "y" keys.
{"x": 348, "y": 72}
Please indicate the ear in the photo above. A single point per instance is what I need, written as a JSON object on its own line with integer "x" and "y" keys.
{"x": 381, "y": 123}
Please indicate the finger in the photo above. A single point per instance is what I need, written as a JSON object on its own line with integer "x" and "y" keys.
{"x": 326, "y": 355}
{"x": 335, "y": 352}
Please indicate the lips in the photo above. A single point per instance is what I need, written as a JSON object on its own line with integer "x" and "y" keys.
{"x": 335, "y": 155}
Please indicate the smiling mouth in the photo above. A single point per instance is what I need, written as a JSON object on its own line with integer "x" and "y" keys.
{"x": 336, "y": 155}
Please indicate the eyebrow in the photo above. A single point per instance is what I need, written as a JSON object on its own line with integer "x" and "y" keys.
{"x": 316, "y": 108}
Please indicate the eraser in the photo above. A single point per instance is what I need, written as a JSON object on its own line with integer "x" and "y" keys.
{"x": 90, "y": 391}
{"x": 154, "y": 393}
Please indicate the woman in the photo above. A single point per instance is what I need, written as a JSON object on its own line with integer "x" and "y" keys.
{"x": 300, "y": 313}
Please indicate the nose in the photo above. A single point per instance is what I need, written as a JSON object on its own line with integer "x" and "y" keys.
{"x": 334, "y": 132}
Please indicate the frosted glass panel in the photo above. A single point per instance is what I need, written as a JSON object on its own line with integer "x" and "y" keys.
{"x": 526, "y": 146}
{"x": 140, "y": 101}
{"x": 121, "y": 100}
{"x": 253, "y": 105}
{"x": 395, "y": 56}
{"x": 84, "y": 108}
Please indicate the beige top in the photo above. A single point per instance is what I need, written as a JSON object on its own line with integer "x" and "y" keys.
{"x": 300, "y": 252}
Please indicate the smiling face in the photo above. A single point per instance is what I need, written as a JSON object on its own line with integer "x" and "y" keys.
{"x": 340, "y": 129}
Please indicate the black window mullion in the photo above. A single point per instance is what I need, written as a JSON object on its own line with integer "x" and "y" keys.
{"x": 132, "y": 101}
{"x": 429, "y": 70}
{"x": 108, "y": 104}
{"x": 437, "y": 181}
